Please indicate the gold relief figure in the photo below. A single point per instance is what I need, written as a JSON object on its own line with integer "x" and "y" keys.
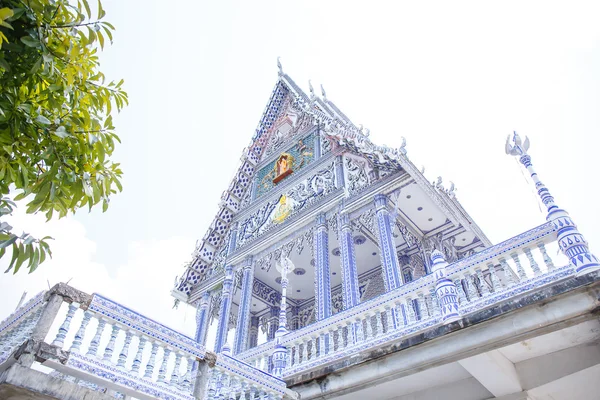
{"x": 283, "y": 209}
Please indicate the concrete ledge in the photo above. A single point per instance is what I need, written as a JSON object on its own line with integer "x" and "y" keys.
{"x": 20, "y": 383}
{"x": 548, "y": 309}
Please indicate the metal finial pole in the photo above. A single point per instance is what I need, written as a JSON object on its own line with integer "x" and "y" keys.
{"x": 571, "y": 242}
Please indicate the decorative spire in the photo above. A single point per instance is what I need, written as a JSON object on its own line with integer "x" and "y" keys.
{"x": 444, "y": 288}
{"x": 571, "y": 242}
{"x": 323, "y": 93}
{"x": 312, "y": 90}
{"x": 280, "y": 72}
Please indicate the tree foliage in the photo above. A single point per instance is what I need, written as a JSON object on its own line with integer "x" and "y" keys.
{"x": 56, "y": 129}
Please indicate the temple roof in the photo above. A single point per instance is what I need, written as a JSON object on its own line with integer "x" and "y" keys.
{"x": 335, "y": 126}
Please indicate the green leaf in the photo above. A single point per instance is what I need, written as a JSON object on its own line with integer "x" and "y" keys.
{"x": 29, "y": 41}
{"x": 6, "y": 13}
{"x": 61, "y": 132}
{"x": 8, "y": 242}
{"x": 87, "y": 8}
{"x": 4, "y": 64}
{"x": 15, "y": 255}
{"x": 43, "y": 120}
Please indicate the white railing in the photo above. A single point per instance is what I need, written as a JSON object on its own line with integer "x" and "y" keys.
{"x": 508, "y": 269}
{"x": 18, "y": 327}
{"x": 107, "y": 345}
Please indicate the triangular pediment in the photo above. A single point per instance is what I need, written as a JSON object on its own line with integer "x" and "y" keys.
{"x": 293, "y": 128}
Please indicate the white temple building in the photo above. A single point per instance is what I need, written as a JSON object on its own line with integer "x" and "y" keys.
{"x": 334, "y": 270}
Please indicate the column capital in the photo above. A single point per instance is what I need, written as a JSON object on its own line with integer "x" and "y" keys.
{"x": 344, "y": 221}
{"x": 321, "y": 220}
{"x": 380, "y": 201}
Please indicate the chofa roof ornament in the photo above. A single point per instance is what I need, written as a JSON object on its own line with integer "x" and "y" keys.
{"x": 280, "y": 72}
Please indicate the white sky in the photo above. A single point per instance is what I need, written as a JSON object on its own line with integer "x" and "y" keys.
{"x": 454, "y": 78}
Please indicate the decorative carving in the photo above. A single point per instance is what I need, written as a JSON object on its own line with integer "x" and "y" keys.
{"x": 357, "y": 174}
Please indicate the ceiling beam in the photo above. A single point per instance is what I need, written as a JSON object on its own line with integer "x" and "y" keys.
{"x": 495, "y": 372}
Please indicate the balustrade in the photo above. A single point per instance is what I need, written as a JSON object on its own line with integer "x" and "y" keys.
{"x": 479, "y": 280}
{"x": 163, "y": 370}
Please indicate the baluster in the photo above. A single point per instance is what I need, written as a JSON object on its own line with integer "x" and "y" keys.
{"x": 331, "y": 342}
{"x": 313, "y": 348}
{"x": 252, "y": 393}
{"x": 186, "y": 382}
{"x": 108, "y": 351}
{"x": 359, "y": 332}
{"x": 64, "y": 328}
{"x": 378, "y": 322}
{"x": 429, "y": 302}
{"x": 534, "y": 265}
{"x": 214, "y": 384}
{"x": 435, "y": 303}
{"x": 471, "y": 287}
{"x": 151, "y": 361}
{"x": 485, "y": 289}
{"x": 125, "y": 350}
{"x": 496, "y": 284}
{"x": 461, "y": 292}
{"x": 422, "y": 306}
{"x": 389, "y": 323}
{"x": 243, "y": 390}
{"x": 305, "y": 351}
{"x": 162, "y": 371}
{"x": 399, "y": 312}
{"x": 341, "y": 343}
{"x": 508, "y": 273}
{"x": 369, "y": 321}
{"x": 520, "y": 269}
{"x": 547, "y": 260}
{"x": 350, "y": 334}
{"x": 232, "y": 388}
{"x": 93, "y": 349}
{"x": 296, "y": 360}
{"x": 175, "y": 374}
{"x": 322, "y": 345}
{"x": 76, "y": 345}
{"x": 137, "y": 361}
{"x": 410, "y": 311}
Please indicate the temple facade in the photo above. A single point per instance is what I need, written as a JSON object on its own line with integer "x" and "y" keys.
{"x": 334, "y": 270}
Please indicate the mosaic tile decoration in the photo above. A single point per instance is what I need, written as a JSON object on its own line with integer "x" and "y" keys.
{"x": 303, "y": 156}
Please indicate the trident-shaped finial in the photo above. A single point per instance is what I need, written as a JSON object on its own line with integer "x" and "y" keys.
{"x": 280, "y": 73}
{"x": 516, "y": 148}
{"x": 323, "y": 93}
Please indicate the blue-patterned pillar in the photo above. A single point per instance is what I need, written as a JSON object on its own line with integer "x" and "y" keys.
{"x": 202, "y": 318}
{"x": 243, "y": 322}
{"x": 571, "y": 242}
{"x": 350, "y": 292}
{"x": 253, "y": 334}
{"x": 445, "y": 290}
{"x": 317, "y": 145}
{"x": 279, "y": 356}
{"x": 272, "y": 322}
{"x": 226, "y": 295}
{"x": 322, "y": 275}
{"x": 340, "y": 180}
{"x": 387, "y": 247}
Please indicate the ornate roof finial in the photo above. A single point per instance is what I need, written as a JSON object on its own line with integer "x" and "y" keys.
{"x": 323, "y": 93}
{"x": 312, "y": 90}
{"x": 280, "y": 73}
{"x": 518, "y": 148}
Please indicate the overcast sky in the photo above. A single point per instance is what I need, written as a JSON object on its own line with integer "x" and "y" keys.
{"x": 453, "y": 78}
